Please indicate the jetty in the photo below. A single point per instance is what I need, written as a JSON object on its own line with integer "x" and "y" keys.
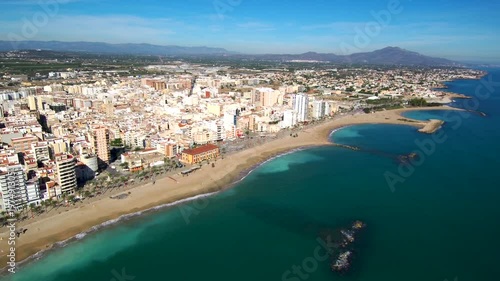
{"x": 432, "y": 126}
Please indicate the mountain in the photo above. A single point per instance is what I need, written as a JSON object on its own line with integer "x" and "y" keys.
{"x": 395, "y": 55}
{"x": 385, "y": 56}
{"x": 99, "y": 47}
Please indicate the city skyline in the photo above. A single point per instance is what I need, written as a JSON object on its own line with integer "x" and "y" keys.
{"x": 454, "y": 30}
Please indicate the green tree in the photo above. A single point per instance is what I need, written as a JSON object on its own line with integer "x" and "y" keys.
{"x": 418, "y": 102}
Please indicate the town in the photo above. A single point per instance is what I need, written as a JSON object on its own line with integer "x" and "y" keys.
{"x": 71, "y": 133}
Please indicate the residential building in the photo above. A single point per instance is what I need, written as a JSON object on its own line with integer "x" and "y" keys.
{"x": 64, "y": 172}
{"x": 13, "y": 188}
{"x": 301, "y": 106}
{"x": 199, "y": 154}
{"x": 41, "y": 151}
{"x": 319, "y": 109}
{"x": 289, "y": 119}
{"x": 24, "y": 144}
{"x": 99, "y": 138}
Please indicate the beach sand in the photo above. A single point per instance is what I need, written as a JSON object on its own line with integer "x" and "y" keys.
{"x": 42, "y": 232}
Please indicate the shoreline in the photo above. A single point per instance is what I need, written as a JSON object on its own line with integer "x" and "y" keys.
{"x": 52, "y": 232}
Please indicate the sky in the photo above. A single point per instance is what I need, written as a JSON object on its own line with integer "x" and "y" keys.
{"x": 465, "y": 30}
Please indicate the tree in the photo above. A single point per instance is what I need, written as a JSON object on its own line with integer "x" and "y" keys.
{"x": 418, "y": 102}
{"x": 117, "y": 142}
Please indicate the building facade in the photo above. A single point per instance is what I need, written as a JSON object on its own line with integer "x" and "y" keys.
{"x": 200, "y": 154}
{"x": 99, "y": 138}
{"x": 301, "y": 106}
{"x": 13, "y": 188}
{"x": 64, "y": 172}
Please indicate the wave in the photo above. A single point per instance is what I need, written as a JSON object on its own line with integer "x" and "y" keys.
{"x": 81, "y": 235}
{"x": 338, "y": 129}
{"x": 251, "y": 170}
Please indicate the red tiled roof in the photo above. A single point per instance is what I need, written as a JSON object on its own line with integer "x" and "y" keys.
{"x": 201, "y": 149}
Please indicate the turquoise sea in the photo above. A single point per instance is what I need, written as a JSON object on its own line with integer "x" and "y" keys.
{"x": 435, "y": 219}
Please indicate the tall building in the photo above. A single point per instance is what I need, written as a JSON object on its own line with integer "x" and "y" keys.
{"x": 64, "y": 172}
{"x": 41, "y": 151}
{"x": 301, "y": 106}
{"x": 32, "y": 103}
{"x": 33, "y": 192}
{"x": 289, "y": 119}
{"x": 13, "y": 188}
{"x": 319, "y": 109}
{"x": 267, "y": 97}
{"x": 99, "y": 138}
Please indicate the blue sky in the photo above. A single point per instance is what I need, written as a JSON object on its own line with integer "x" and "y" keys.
{"x": 461, "y": 30}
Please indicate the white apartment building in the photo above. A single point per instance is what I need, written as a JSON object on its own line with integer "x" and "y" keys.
{"x": 320, "y": 109}
{"x": 13, "y": 188}
{"x": 301, "y": 106}
{"x": 41, "y": 151}
{"x": 289, "y": 119}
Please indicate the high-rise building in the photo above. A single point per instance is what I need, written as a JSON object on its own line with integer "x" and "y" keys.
{"x": 33, "y": 192}
{"x": 41, "y": 151}
{"x": 99, "y": 138}
{"x": 289, "y": 119}
{"x": 301, "y": 106}
{"x": 64, "y": 172}
{"x": 13, "y": 188}
{"x": 319, "y": 109}
{"x": 267, "y": 97}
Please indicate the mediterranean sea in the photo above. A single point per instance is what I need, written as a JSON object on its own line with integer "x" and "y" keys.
{"x": 434, "y": 218}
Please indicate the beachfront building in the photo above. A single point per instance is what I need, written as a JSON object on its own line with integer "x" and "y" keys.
{"x": 301, "y": 106}
{"x": 13, "y": 195}
{"x": 33, "y": 192}
{"x": 289, "y": 119}
{"x": 99, "y": 138}
{"x": 320, "y": 109}
{"x": 64, "y": 172}
{"x": 200, "y": 154}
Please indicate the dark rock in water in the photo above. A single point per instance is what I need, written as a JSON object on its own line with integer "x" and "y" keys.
{"x": 343, "y": 262}
{"x": 406, "y": 158}
{"x": 343, "y": 240}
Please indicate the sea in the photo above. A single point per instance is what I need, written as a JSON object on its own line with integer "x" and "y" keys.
{"x": 433, "y": 217}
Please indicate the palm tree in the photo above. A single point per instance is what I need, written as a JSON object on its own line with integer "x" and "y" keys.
{"x": 87, "y": 193}
{"x": 32, "y": 208}
{"x": 44, "y": 205}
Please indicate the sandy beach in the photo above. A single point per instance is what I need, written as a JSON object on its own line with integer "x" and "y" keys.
{"x": 42, "y": 232}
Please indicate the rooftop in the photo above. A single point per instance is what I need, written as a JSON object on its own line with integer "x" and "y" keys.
{"x": 201, "y": 149}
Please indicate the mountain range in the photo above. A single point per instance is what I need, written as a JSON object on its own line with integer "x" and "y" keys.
{"x": 385, "y": 56}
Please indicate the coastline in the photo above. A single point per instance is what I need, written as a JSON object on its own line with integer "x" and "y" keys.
{"x": 47, "y": 233}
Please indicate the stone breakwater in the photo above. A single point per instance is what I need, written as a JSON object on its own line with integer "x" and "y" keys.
{"x": 432, "y": 126}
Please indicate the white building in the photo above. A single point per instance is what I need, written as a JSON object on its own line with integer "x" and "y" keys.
{"x": 320, "y": 109}
{"x": 33, "y": 192}
{"x": 13, "y": 188}
{"x": 41, "y": 151}
{"x": 289, "y": 119}
{"x": 301, "y": 106}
